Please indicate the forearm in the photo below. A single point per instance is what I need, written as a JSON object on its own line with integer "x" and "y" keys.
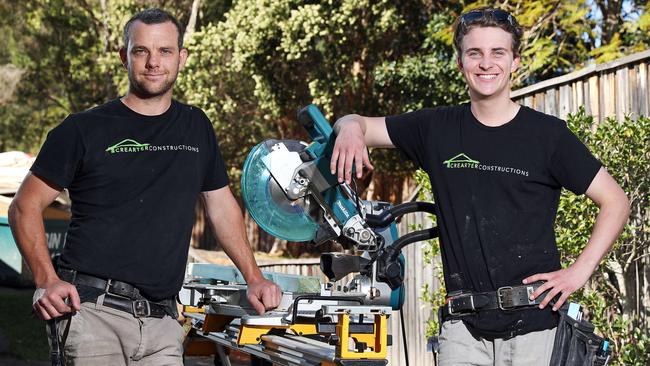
{"x": 228, "y": 225}
{"x": 29, "y": 233}
{"x": 348, "y": 121}
{"x": 608, "y": 226}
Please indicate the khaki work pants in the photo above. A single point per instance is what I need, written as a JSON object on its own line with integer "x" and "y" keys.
{"x": 458, "y": 347}
{"x": 98, "y": 335}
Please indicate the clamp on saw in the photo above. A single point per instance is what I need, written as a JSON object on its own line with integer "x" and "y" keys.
{"x": 290, "y": 192}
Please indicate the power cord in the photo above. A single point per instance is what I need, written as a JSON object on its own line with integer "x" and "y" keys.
{"x": 401, "y": 317}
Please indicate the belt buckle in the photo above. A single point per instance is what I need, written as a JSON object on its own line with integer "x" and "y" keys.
{"x": 141, "y": 308}
{"x": 451, "y": 300}
{"x": 110, "y": 286}
{"x": 500, "y": 297}
{"x": 107, "y": 288}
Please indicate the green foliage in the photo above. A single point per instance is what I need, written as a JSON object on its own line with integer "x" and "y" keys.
{"x": 68, "y": 52}
{"x": 62, "y": 49}
{"x": 368, "y": 57}
{"x": 624, "y": 149}
{"x": 253, "y": 63}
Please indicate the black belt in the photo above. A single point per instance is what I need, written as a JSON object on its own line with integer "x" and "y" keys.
{"x": 505, "y": 298}
{"x": 120, "y": 295}
{"x": 139, "y": 308}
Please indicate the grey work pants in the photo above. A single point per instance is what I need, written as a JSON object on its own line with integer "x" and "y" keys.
{"x": 459, "y": 347}
{"x": 97, "y": 335}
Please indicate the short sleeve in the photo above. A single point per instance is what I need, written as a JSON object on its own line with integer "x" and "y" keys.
{"x": 408, "y": 132}
{"x": 215, "y": 174}
{"x": 572, "y": 164}
{"x": 61, "y": 155}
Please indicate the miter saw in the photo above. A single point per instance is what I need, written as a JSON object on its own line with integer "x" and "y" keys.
{"x": 290, "y": 192}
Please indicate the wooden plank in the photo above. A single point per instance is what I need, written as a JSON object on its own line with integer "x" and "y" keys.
{"x": 550, "y": 102}
{"x": 594, "y": 97}
{"x": 632, "y": 92}
{"x": 564, "y": 107}
{"x": 528, "y": 101}
{"x": 607, "y": 96}
{"x": 538, "y": 103}
{"x": 622, "y": 96}
{"x": 642, "y": 87}
{"x": 578, "y": 96}
{"x": 586, "y": 97}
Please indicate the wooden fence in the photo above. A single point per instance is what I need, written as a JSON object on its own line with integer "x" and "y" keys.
{"x": 613, "y": 89}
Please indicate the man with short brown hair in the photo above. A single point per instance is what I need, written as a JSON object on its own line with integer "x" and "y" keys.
{"x": 134, "y": 168}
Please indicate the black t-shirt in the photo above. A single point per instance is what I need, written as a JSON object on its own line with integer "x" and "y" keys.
{"x": 497, "y": 191}
{"x": 134, "y": 181}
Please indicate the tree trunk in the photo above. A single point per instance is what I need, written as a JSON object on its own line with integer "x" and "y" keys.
{"x": 620, "y": 275}
{"x": 191, "y": 24}
{"x": 279, "y": 247}
{"x": 104, "y": 31}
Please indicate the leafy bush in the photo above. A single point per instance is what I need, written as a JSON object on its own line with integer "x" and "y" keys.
{"x": 614, "y": 298}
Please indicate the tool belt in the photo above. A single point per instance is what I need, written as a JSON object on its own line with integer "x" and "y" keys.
{"x": 576, "y": 344}
{"x": 120, "y": 295}
{"x": 506, "y": 298}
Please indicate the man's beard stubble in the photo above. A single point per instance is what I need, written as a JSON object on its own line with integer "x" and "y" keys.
{"x": 143, "y": 92}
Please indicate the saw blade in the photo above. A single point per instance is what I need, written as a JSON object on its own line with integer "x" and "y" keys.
{"x": 267, "y": 203}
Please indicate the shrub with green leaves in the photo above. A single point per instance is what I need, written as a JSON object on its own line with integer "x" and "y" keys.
{"x": 616, "y": 298}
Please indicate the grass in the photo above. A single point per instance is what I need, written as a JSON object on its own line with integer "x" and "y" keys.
{"x": 25, "y": 332}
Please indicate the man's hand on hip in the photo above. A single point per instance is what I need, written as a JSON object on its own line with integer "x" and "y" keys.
{"x": 50, "y": 300}
{"x": 264, "y": 295}
{"x": 563, "y": 282}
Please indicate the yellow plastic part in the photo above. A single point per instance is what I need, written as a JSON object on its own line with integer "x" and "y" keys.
{"x": 215, "y": 323}
{"x": 252, "y": 334}
{"x": 377, "y": 341}
{"x": 193, "y": 309}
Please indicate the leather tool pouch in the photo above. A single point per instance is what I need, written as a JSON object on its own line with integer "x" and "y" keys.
{"x": 576, "y": 344}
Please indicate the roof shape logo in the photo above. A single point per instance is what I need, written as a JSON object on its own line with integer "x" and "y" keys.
{"x": 460, "y": 159}
{"x": 127, "y": 145}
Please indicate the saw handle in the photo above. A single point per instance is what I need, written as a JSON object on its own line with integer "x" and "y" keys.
{"x": 420, "y": 235}
{"x": 389, "y": 265}
{"x": 294, "y": 315}
{"x": 315, "y": 123}
{"x": 387, "y": 217}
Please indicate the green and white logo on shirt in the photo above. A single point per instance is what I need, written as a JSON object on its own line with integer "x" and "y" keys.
{"x": 132, "y": 146}
{"x": 462, "y": 161}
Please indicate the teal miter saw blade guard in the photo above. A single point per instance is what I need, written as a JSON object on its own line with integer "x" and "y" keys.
{"x": 266, "y": 201}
